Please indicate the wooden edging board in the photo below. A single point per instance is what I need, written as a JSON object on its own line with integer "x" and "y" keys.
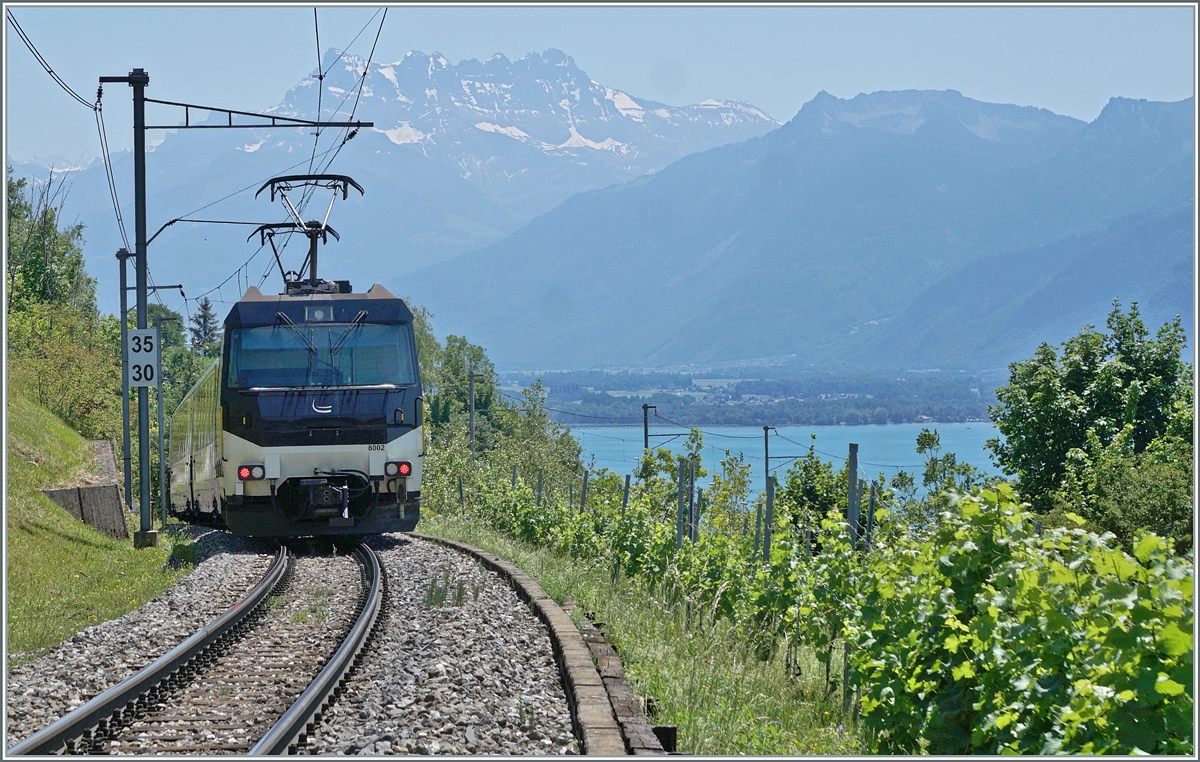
{"x": 595, "y": 724}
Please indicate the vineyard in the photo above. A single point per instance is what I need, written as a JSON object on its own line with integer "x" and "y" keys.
{"x": 969, "y": 630}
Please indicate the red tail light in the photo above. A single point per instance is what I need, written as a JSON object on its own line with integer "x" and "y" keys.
{"x": 397, "y": 468}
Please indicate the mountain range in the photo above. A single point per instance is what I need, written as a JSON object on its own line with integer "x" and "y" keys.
{"x": 915, "y": 229}
{"x": 460, "y": 156}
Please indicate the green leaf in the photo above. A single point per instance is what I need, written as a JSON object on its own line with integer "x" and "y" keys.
{"x": 1175, "y": 640}
{"x": 1168, "y": 687}
{"x": 963, "y": 671}
{"x": 1079, "y": 520}
{"x": 1146, "y": 547}
{"x": 1119, "y": 564}
{"x": 952, "y": 644}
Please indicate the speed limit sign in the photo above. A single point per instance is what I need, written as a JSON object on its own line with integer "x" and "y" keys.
{"x": 143, "y": 357}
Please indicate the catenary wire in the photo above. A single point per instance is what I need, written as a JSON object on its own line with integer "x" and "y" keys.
{"x": 568, "y": 412}
{"x": 320, "y": 91}
{"x": 96, "y": 110}
{"x": 306, "y": 196}
{"x": 45, "y": 64}
{"x": 108, "y": 170}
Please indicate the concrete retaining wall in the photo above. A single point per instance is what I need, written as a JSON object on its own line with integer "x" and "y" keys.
{"x": 97, "y": 505}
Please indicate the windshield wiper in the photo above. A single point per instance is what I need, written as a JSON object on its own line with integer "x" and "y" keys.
{"x": 355, "y": 324}
{"x": 296, "y": 332}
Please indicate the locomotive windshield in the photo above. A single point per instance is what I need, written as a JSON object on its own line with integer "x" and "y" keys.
{"x": 326, "y": 354}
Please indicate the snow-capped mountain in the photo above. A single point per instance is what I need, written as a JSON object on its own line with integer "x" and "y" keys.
{"x": 460, "y": 156}
{"x": 496, "y": 123}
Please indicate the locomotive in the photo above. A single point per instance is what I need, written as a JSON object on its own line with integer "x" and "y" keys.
{"x": 311, "y": 420}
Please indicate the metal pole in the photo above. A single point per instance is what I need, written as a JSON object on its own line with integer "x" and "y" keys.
{"x": 471, "y": 393}
{"x": 583, "y": 493}
{"x": 646, "y": 425}
{"x": 123, "y": 255}
{"x": 162, "y": 452}
{"x": 539, "y": 494}
{"x": 679, "y": 513}
{"x": 625, "y": 497}
{"x": 514, "y": 477}
{"x": 853, "y": 508}
{"x": 696, "y": 516}
{"x": 312, "y": 255}
{"x": 766, "y": 458}
{"x": 461, "y": 501}
{"x": 138, "y": 79}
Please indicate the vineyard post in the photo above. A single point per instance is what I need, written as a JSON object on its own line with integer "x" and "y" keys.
{"x": 757, "y": 526}
{"x": 845, "y": 676}
{"x": 583, "y": 493}
{"x": 617, "y": 555}
{"x": 767, "y": 519}
{"x": 679, "y": 513}
{"x": 696, "y": 515}
{"x": 514, "y": 477}
{"x": 471, "y": 394}
{"x": 853, "y": 494}
{"x": 539, "y": 491}
{"x": 871, "y": 512}
{"x": 460, "y": 491}
{"x": 691, "y": 496}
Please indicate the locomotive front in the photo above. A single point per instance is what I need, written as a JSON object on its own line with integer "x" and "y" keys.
{"x": 320, "y": 415}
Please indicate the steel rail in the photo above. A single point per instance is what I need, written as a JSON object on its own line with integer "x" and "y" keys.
{"x": 54, "y": 737}
{"x": 290, "y": 730}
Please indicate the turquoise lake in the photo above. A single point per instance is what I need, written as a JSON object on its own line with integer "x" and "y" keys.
{"x": 881, "y": 449}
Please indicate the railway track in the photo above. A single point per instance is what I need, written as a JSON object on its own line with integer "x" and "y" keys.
{"x": 470, "y": 656}
{"x": 252, "y": 681}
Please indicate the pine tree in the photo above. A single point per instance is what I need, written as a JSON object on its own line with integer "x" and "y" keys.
{"x": 203, "y": 329}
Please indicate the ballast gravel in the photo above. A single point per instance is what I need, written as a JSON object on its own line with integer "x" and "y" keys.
{"x": 40, "y": 691}
{"x": 460, "y": 666}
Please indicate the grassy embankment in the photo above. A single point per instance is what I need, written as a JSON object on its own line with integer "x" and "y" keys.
{"x": 707, "y": 679}
{"x": 63, "y": 576}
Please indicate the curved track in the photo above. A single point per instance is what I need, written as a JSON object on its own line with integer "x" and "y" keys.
{"x": 217, "y": 690}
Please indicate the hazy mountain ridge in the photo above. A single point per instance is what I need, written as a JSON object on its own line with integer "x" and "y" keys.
{"x": 437, "y": 183}
{"x": 806, "y": 240}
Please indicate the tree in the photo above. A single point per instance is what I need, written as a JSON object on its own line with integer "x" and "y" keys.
{"x": 429, "y": 351}
{"x": 171, "y": 323}
{"x": 1100, "y": 384}
{"x": 45, "y": 261}
{"x": 204, "y": 330}
{"x": 60, "y": 352}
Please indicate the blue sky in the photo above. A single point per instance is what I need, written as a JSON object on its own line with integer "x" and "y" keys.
{"x": 1070, "y": 60}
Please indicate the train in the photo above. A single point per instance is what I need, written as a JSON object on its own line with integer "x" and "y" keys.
{"x": 311, "y": 420}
